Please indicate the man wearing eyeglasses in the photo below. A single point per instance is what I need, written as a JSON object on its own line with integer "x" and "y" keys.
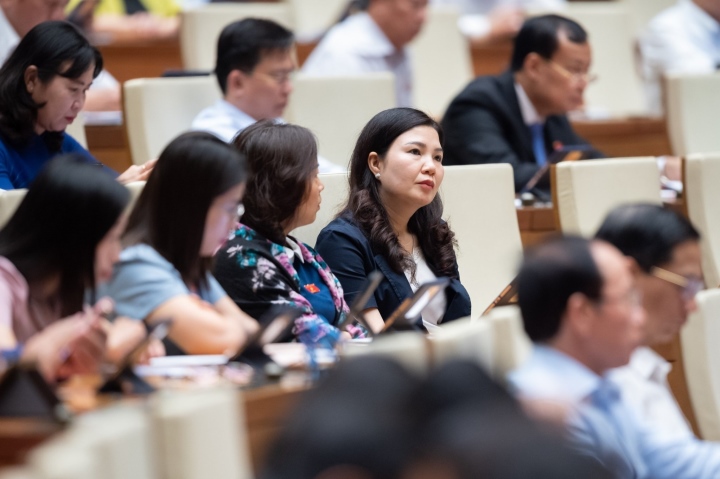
{"x": 582, "y": 306}
{"x": 665, "y": 252}
{"x": 519, "y": 117}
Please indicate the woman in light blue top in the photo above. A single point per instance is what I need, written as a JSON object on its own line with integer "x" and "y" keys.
{"x": 184, "y": 214}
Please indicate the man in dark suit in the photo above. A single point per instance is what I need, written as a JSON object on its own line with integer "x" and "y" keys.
{"x": 519, "y": 117}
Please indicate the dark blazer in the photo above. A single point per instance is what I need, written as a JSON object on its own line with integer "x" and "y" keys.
{"x": 347, "y": 251}
{"x": 483, "y": 124}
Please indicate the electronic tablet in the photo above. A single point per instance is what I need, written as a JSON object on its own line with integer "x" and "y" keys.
{"x": 358, "y": 305}
{"x": 410, "y": 311}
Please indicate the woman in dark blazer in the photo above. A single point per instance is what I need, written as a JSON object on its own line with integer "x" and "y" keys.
{"x": 393, "y": 219}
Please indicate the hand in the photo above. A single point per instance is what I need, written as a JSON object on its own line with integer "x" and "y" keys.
{"x": 124, "y": 335}
{"x": 673, "y": 168}
{"x": 48, "y": 349}
{"x": 137, "y": 173}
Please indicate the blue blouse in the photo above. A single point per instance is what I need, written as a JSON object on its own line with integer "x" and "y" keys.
{"x": 19, "y": 167}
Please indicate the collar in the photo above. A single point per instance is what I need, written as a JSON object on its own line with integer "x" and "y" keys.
{"x": 292, "y": 249}
{"x": 8, "y": 37}
{"x": 240, "y": 119}
{"x": 649, "y": 364}
{"x": 552, "y": 374}
{"x": 527, "y": 109}
{"x": 369, "y": 39}
{"x": 699, "y": 17}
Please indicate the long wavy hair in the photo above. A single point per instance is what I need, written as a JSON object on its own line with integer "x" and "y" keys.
{"x": 435, "y": 238}
{"x": 56, "y": 49}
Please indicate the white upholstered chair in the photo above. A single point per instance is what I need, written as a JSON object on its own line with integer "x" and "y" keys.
{"x": 76, "y": 129}
{"x": 336, "y": 108}
{"x": 159, "y": 109}
{"x": 692, "y": 105}
{"x": 409, "y": 348}
{"x": 702, "y": 197}
{"x": 334, "y": 196}
{"x": 9, "y": 202}
{"x": 312, "y": 18}
{"x": 135, "y": 189}
{"x": 63, "y": 457}
{"x": 479, "y": 205}
{"x": 586, "y": 191}
{"x": 642, "y": 11}
{"x": 202, "y": 434}
{"x": 201, "y": 27}
{"x": 701, "y": 358}
{"x": 464, "y": 339}
{"x": 511, "y": 346}
{"x": 443, "y": 63}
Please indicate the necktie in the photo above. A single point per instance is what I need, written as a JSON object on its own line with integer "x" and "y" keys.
{"x": 538, "y": 143}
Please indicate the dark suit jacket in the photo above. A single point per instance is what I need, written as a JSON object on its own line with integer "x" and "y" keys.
{"x": 483, "y": 124}
{"x": 347, "y": 251}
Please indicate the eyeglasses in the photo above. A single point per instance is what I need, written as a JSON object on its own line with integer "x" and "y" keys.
{"x": 576, "y": 77}
{"x": 281, "y": 78}
{"x": 689, "y": 286}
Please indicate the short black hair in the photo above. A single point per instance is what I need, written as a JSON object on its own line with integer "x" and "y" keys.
{"x": 242, "y": 44}
{"x": 552, "y": 272}
{"x": 647, "y": 233}
{"x": 540, "y": 35}
{"x": 55, "y": 48}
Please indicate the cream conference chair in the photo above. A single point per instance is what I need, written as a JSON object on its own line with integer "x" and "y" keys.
{"x": 334, "y": 197}
{"x": 692, "y": 105}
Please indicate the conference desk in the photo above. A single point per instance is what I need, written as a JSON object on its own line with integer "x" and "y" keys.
{"x": 266, "y": 409}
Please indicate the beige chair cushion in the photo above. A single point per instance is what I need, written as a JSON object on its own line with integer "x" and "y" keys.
{"x": 334, "y": 197}
{"x": 336, "y": 108}
{"x": 511, "y": 346}
{"x": 588, "y": 190}
{"x": 135, "y": 188}
{"x": 63, "y": 457}
{"x": 479, "y": 205}
{"x": 464, "y": 339}
{"x": 159, "y": 109}
{"x": 77, "y": 130}
{"x": 9, "y": 202}
{"x": 200, "y": 28}
{"x": 409, "y": 348}
{"x": 442, "y": 64}
{"x": 642, "y": 11}
{"x": 314, "y": 17}
{"x": 702, "y": 197}
{"x": 692, "y": 105}
{"x": 701, "y": 357}
{"x": 202, "y": 434}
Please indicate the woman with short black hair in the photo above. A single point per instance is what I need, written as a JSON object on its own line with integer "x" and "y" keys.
{"x": 262, "y": 265}
{"x": 42, "y": 90}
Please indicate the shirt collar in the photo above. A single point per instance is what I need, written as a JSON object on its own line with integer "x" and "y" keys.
{"x": 649, "y": 364}
{"x": 372, "y": 41}
{"x": 241, "y": 119}
{"x": 292, "y": 249}
{"x": 527, "y": 109}
{"x": 700, "y": 18}
{"x": 578, "y": 382}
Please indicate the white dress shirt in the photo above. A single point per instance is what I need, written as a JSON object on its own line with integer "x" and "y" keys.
{"x": 606, "y": 427}
{"x": 474, "y": 20}
{"x": 435, "y": 310}
{"x": 225, "y": 120}
{"x": 357, "y": 45}
{"x": 8, "y": 38}
{"x": 681, "y": 39}
{"x": 527, "y": 109}
{"x": 644, "y": 387}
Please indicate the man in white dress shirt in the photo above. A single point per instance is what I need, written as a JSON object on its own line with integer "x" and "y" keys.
{"x": 684, "y": 38}
{"x": 583, "y": 311}
{"x": 665, "y": 251}
{"x": 254, "y": 67}
{"x": 372, "y": 41}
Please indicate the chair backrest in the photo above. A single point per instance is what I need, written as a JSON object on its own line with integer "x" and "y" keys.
{"x": 63, "y": 457}
{"x": 586, "y": 191}
{"x": 618, "y": 90}
{"x": 9, "y": 202}
{"x": 702, "y": 196}
{"x": 336, "y": 108}
{"x": 442, "y": 63}
{"x": 479, "y": 205}
{"x": 334, "y": 197}
{"x": 314, "y": 17}
{"x": 642, "y": 11}
{"x": 701, "y": 358}
{"x": 159, "y": 109}
{"x": 201, "y": 27}
{"x": 409, "y": 348}
{"x": 511, "y": 346}
{"x": 464, "y": 339}
{"x": 692, "y": 105}
{"x": 76, "y": 129}
{"x": 202, "y": 434}
{"x": 135, "y": 189}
